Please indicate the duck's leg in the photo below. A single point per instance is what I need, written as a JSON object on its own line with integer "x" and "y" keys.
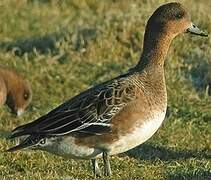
{"x": 96, "y": 168}
{"x": 107, "y": 165}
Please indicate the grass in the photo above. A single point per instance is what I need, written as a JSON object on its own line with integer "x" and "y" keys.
{"x": 64, "y": 47}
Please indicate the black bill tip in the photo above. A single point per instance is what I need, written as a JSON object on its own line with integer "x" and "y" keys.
{"x": 193, "y": 29}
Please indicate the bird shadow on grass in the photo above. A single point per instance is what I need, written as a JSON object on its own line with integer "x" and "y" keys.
{"x": 201, "y": 77}
{"x": 52, "y": 42}
{"x": 4, "y": 134}
{"x": 191, "y": 175}
{"x": 198, "y": 72}
{"x": 151, "y": 152}
{"x": 43, "y": 44}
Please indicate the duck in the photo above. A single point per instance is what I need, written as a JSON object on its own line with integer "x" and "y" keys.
{"x": 15, "y": 91}
{"x": 119, "y": 114}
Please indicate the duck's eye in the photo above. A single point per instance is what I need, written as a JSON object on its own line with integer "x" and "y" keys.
{"x": 26, "y": 96}
{"x": 42, "y": 141}
{"x": 178, "y": 15}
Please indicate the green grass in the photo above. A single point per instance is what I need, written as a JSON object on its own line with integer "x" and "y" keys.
{"x": 64, "y": 47}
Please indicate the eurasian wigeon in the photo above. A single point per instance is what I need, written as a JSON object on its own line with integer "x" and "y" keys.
{"x": 119, "y": 114}
{"x": 15, "y": 91}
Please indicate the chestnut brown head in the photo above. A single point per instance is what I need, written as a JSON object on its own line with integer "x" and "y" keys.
{"x": 19, "y": 95}
{"x": 172, "y": 19}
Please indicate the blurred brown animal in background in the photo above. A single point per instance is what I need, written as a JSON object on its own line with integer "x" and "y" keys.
{"x": 14, "y": 90}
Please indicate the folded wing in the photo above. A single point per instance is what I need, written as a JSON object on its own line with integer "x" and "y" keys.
{"x": 86, "y": 114}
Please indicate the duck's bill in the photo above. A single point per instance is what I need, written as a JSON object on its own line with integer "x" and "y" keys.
{"x": 19, "y": 112}
{"x": 193, "y": 29}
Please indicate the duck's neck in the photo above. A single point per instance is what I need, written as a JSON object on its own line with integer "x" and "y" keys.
{"x": 155, "y": 50}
